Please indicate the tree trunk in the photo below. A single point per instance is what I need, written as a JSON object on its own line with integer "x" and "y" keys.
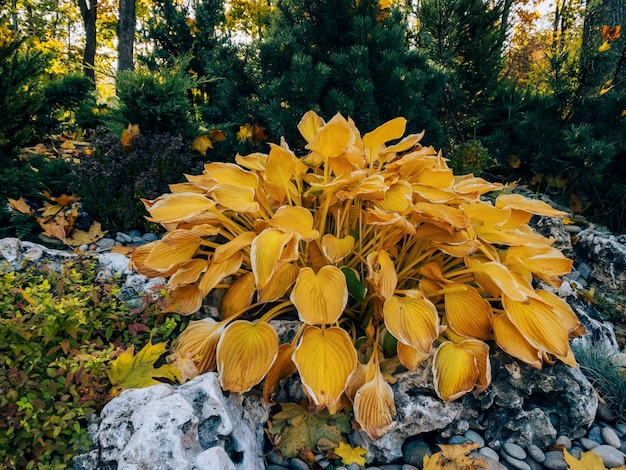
{"x": 89, "y": 14}
{"x": 126, "y": 35}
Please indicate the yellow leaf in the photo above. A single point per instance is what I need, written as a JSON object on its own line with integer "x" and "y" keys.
{"x": 412, "y": 320}
{"x": 282, "y": 368}
{"x": 375, "y": 141}
{"x": 217, "y": 272}
{"x": 332, "y": 139}
{"x": 80, "y": 237}
{"x": 20, "y": 206}
{"x": 604, "y": 47}
{"x": 350, "y": 455}
{"x": 265, "y": 254}
{"x": 129, "y": 134}
{"x": 279, "y": 169}
{"x": 467, "y": 312}
{"x": 245, "y": 353}
{"x": 309, "y": 124}
{"x": 605, "y": 89}
{"x": 382, "y": 276}
{"x": 336, "y": 249}
{"x": 184, "y": 300}
{"x": 511, "y": 341}
{"x": 187, "y": 273}
{"x": 455, "y": 371}
{"x": 295, "y": 220}
{"x": 321, "y": 297}
{"x": 201, "y": 144}
{"x": 198, "y": 342}
{"x": 325, "y": 358}
{"x": 282, "y": 279}
{"x": 588, "y": 461}
{"x": 411, "y": 357}
{"x": 534, "y": 206}
{"x": 235, "y": 198}
{"x": 136, "y": 371}
{"x": 177, "y": 207}
{"x": 244, "y": 133}
{"x": 68, "y": 145}
{"x": 238, "y": 295}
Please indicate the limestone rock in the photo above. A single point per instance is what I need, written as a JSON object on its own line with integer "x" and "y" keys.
{"x": 605, "y": 254}
{"x": 192, "y": 426}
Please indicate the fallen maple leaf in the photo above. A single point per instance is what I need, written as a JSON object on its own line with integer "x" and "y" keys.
{"x": 129, "y": 134}
{"x": 137, "y": 371}
{"x": 80, "y": 237}
{"x": 588, "y": 461}
{"x": 454, "y": 457}
{"x": 20, "y": 206}
{"x": 201, "y": 144}
{"x": 350, "y": 455}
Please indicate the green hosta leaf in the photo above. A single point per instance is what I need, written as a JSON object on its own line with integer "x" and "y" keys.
{"x": 355, "y": 287}
{"x": 295, "y": 427}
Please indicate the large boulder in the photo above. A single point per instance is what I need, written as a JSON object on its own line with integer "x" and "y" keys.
{"x": 191, "y": 426}
{"x": 605, "y": 255}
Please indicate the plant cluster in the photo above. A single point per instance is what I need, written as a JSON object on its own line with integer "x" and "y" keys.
{"x": 110, "y": 179}
{"x": 377, "y": 248}
{"x": 60, "y": 329}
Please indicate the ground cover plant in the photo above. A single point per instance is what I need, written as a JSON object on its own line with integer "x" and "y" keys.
{"x": 377, "y": 248}
{"x": 60, "y": 330}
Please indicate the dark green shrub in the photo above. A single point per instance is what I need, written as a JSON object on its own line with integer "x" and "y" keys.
{"x": 110, "y": 182}
{"x": 156, "y": 100}
{"x": 20, "y": 92}
{"x": 28, "y": 178}
{"x": 470, "y": 157}
{"x": 59, "y": 331}
{"x": 63, "y": 98}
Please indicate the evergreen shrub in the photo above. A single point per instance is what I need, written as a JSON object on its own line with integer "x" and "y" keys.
{"x": 110, "y": 181}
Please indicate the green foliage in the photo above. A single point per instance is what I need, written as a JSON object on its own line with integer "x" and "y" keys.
{"x": 63, "y": 99}
{"x": 605, "y": 375}
{"x": 59, "y": 330}
{"x": 28, "y": 178}
{"x": 156, "y": 100}
{"x": 470, "y": 157}
{"x": 20, "y": 94}
{"x": 111, "y": 180}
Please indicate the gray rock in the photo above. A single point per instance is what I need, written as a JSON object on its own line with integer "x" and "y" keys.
{"x": 563, "y": 441}
{"x": 123, "y": 238}
{"x": 473, "y": 436}
{"x": 595, "y": 434}
{"x": 535, "y": 453}
{"x": 406, "y": 466}
{"x": 134, "y": 233}
{"x": 610, "y": 455}
{"x": 587, "y": 443}
{"x": 621, "y": 427}
{"x": 458, "y": 440}
{"x": 515, "y": 463}
{"x": 606, "y": 256}
{"x": 172, "y": 427}
{"x": 489, "y": 452}
{"x": 414, "y": 452}
{"x": 513, "y": 450}
{"x": 610, "y": 437}
{"x": 492, "y": 464}
{"x": 298, "y": 464}
{"x": 105, "y": 243}
{"x": 584, "y": 270}
{"x": 214, "y": 457}
{"x": 576, "y": 452}
{"x": 555, "y": 460}
{"x": 150, "y": 237}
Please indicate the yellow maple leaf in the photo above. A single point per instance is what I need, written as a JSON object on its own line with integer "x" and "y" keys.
{"x": 454, "y": 457}
{"x": 245, "y": 133}
{"x": 129, "y": 134}
{"x": 588, "y": 461}
{"x": 201, "y": 144}
{"x": 350, "y": 455}
{"x": 137, "y": 371}
{"x": 80, "y": 237}
{"x": 20, "y": 205}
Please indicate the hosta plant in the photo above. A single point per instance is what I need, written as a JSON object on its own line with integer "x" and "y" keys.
{"x": 378, "y": 248}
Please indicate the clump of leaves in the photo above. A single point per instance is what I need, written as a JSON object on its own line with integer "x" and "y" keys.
{"x": 362, "y": 240}
{"x": 59, "y": 330}
{"x": 125, "y": 167}
{"x": 454, "y": 457}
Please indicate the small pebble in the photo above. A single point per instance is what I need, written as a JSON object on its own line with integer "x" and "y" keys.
{"x": 563, "y": 441}
{"x": 459, "y": 440}
{"x": 621, "y": 427}
{"x": 275, "y": 458}
{"x": 273, "y": 466}
{"x": 489, "y": 452}
{"x": 298, "y": 464}
{"x": 605, "y": 413}
{"x": 123, "y": 238}
{"x": 105, "y": 243}
{"x": 414, "y": 451}
{"x": 515, "y": 463}
{"x": 134, "y": 233}
{"x": 388, "y": 467}
{"x": 355, "y": 466}
{"x": 514, "y": 450}
{"x": 610, "y": 455}
{"x": 535, "y": 453}
{"x": 576, "y": 452}
{"x": 595, "y": 434}
{"x": 610, "y": 437}
{"x": 555, "y": 460}
{"x": 138, "y": 240}
{"x": 492, "y": 464}
{"x": 406, "y": 466}
{"x": 587, "y": 444}
{"x": 534, "y": 465}
{"x": 150, "y": 237}
{"x": 473, "y": 436}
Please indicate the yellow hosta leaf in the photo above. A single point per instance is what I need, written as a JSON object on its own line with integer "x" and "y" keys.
{"x": 20, "y": 206}
{"x": 540, "y": 325}
{"x": 282, "y": 368}
{"x": 236, "y": 245}
{"x": 295, "y": 220}
{"x": 254, "y": 161}
{"x": 321, "y": 297}
{"x": 201, "y": 144}
{"x": 467, "y": 312}
{"x": 235, "y": 198}
{"x": 374, "y": 142}
{"x": 522, "y": 203}
{"x": 198, "y": 342}
{"x": 231, "y": 174}
{"x": 217, "y": 272}
{"x": 568, "y": 318}
{"x": 136, "y": 371}
{"x": 412, "y": 320}
{"x": 511, "y": 341}
{"x": 544, "y": 261}
{"x": 447, "y": 217}
{"x": 481, "y": 352}
{"x": 282, "y": 279}
{"x": 398, "y": 198}
{"x": 279, "y": 169}
{"x": 588, "y": 461}
{"x": 455, "y": 371}
{"x": 325, "y": 358}
{"x": 332, "y": 139}
{"x": 187, "y": 273}
{"x": 265, "y": 254}
{"x": 411, "y": 357}
{"x": 374, "y": 408}
{"x": 381, "y": 274}
{"x": 336, "y": 249}
{"x": 500, "y": 275}
{"x": 245, "y": 353}
{"x": 350, "y": 455}
{"x": 177, "y": 207}
{"x": 309, "y": 124}
{"x": 238, "y": 295}
{"x": 184, "y": 300}
{"x": 177, "y": 246}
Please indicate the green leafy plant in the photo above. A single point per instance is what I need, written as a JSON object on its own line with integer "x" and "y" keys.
{"x": 470, "y": 157}
{"x": 60, "y": 330}
{"x": 364, "y": 240}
